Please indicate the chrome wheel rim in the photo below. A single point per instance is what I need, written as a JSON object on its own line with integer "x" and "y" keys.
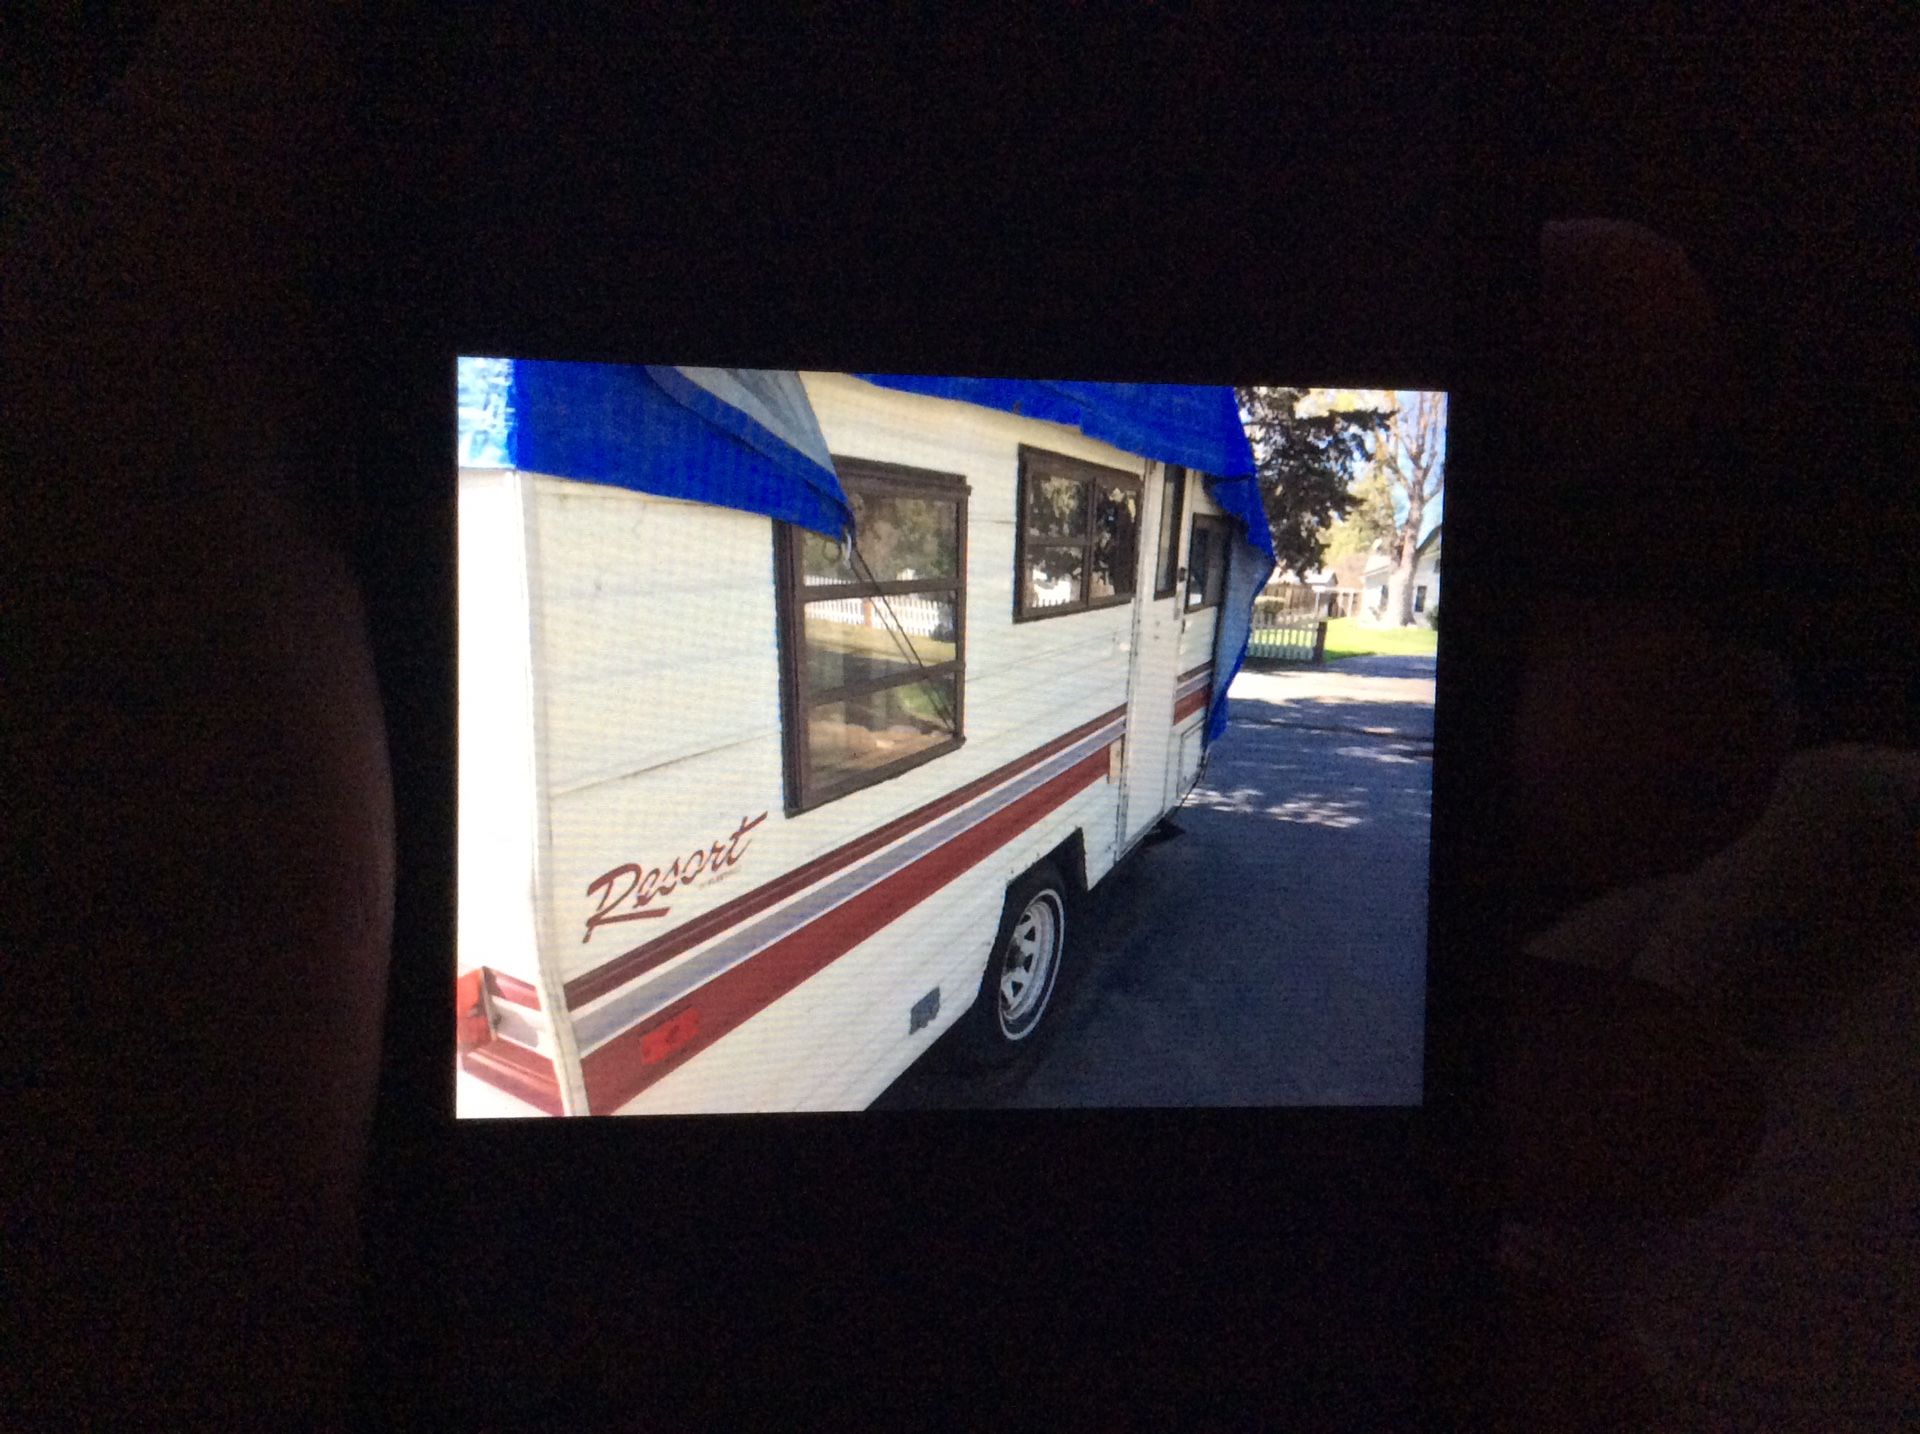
{"x": 1026, "y": 975}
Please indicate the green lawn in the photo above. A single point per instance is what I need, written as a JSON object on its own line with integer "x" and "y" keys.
{"x": 1347, "y": 638}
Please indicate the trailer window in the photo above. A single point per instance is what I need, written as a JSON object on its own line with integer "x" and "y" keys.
{"x": 872, "y": 633}
{"x": 1173, "y": 501}
{"x": 1206, "y": 563}
{"x": 1077, "y": 538}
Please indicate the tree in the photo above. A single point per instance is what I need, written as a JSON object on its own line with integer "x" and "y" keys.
{"x": 1408, "y": 458}
{"x": 1304, "y": 454}
{"x": 1370, "y": 520}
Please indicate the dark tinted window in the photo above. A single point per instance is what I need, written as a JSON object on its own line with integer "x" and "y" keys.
{"x": 1206, "y": 563}
{"x": 1173, "y": 496}
{"x": 1078, "y": 540}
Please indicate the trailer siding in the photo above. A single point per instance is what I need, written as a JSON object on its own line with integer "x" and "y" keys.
{"x": 497, "y": 837}
{"x": 654, "y": 627}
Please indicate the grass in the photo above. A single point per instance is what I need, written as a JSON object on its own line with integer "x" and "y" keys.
{"x": 1347, "y": 638}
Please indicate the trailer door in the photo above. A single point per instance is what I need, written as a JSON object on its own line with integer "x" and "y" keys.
{"x": 1155, "y": 656}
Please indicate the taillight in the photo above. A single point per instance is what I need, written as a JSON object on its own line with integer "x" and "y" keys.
{"x": 669, "y": 1036}
{"x": 473, "y": 1022}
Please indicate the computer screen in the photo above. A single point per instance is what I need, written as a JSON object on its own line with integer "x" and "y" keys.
{"x": 833, "y": 741}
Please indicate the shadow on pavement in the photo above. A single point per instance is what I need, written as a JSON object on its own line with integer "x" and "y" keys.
{"x": 1273, "y": 954}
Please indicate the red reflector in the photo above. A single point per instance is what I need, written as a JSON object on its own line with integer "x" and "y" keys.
{"x": 667, "y": 1037}
{"x": 473, "y": 1028}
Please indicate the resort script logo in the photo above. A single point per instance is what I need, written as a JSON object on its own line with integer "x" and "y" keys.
{"x": 643, "y": 885}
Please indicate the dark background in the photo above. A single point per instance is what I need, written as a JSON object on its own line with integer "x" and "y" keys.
{"x": 1096, "y": 206}
{"x": 1203, "y": 197}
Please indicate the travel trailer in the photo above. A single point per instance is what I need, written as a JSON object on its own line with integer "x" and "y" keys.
{"x": 799, "y": 710}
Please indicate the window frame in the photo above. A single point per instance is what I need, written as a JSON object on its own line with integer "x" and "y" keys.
{"x": 1207, "y": 522}
{"x": 1167, "y": 560}
{"x": 1059, "y": 465}
{"x": 791, "y": 595}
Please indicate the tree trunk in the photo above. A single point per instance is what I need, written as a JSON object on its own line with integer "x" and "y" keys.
{"x": 1406, "y": 557}
{"x": 1405, "y": 460}
{"x": 1412, "y": 482}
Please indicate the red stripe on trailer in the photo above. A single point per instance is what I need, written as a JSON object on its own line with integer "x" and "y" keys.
{"x": 1188, "y": 676}
{"x": 596, "y": 983}
{"x": 621, "y": 1069}
{"x": 1193, "y": 702}
{"x": 516, "y": 1070}
{"x": 513, "y": 990}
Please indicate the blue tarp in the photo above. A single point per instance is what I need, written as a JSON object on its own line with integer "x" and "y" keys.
{"x": 1248, "y": 569}
{"x": 1250, "y": 562}
{"x": 738, "y": 438}
{"x": 1195, "y": 426}
{"x": 748, "y": 439}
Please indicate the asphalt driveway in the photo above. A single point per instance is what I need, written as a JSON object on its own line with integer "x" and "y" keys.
{"x": 1274, "y": 952}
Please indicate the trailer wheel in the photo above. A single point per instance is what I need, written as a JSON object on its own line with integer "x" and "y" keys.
{"x": 1024, "y": 969}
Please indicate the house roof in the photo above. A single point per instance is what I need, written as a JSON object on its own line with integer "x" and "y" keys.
{"x": 1283, "y": 576}
{"x": 1347, "y": 571}
{"x": 1343, "y": 572}
{"x": 1383, "y": 562}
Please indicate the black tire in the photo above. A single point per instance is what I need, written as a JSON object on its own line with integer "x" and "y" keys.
{"x": 1008, "y": 1016}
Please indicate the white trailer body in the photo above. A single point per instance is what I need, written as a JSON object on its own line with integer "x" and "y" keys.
{"x": 648, "y": 920}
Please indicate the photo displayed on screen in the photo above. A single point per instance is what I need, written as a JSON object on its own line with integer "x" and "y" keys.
{"x": 834, "y": 742}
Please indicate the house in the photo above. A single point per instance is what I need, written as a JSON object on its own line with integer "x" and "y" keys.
{"x": 1376, "y": 581}
{"x": 1331, "y": 591}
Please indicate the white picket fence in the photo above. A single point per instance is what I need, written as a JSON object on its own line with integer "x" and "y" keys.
{"x": 1283, "y": 636}
{"x": 920, "y": 616}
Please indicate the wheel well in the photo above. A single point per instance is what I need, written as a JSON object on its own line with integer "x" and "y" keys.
{"x": 1070, "y": 857}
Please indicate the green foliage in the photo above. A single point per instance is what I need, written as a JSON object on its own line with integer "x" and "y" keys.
{"x": 1370, "y": 518}
{"x": 1057, "y": 507}
{"x": 1305, "y": 465}
{"x": 1373, "y": 516}
{"x": 895, "y": 535}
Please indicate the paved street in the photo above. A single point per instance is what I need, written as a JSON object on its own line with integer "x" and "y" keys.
{"x": 1272, "y": 954}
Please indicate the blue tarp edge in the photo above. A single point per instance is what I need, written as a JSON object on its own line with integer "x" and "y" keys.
{"x": 1250, "y": 562}
{"x": 1196, "y": 426}
{"x": 737, "y": 423}
{"x": 631, "y": 427}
